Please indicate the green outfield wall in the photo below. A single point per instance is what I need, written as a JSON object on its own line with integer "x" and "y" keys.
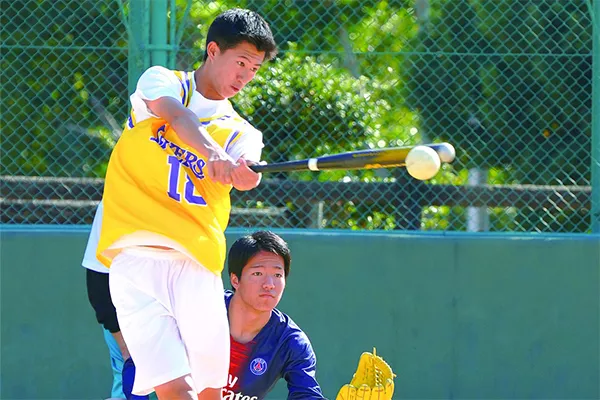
{"x": 457, "y": 316}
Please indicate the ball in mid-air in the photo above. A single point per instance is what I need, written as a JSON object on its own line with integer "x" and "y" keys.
{"x": 422, "y": 163}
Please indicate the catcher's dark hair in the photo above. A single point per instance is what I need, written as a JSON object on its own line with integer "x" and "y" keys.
{"x": 246, "y": 247}
{"x": 236, "y": 26}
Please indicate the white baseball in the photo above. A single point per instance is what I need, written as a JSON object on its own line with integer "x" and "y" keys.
{"x": 422, "y": 163}
{"x": 446, "y": 152}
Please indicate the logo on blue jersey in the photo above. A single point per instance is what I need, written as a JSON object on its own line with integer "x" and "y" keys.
{"x": 258, "y": 366}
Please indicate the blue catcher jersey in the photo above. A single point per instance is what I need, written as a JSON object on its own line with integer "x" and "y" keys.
{"x": 280, "y": 350}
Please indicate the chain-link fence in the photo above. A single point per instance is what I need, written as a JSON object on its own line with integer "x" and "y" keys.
{"x": 509, "y": 83}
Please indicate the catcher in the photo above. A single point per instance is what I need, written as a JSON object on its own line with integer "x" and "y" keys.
{"x": 266, "y": 344}
{"x": 373, "y": 380}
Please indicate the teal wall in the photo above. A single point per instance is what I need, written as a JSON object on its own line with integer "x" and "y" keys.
{"x": 457, "y": 316}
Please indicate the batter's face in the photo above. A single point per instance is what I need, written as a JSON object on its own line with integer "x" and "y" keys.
{"x": 230, "y": 70}
{"x": 262, "y": 282}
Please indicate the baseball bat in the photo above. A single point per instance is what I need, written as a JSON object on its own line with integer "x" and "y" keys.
{"x": 362, "y": 159}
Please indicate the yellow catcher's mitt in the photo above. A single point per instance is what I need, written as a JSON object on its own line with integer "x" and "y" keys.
{"x": 373, "y": 380}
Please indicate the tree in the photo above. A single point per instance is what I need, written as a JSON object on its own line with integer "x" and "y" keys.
{"x": 306, "y": 108}
{"x": 64, "y": 77}
{"x": 509, "y": 83}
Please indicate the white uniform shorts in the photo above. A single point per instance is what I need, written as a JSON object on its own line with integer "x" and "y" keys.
{"x": 172, "y": 315}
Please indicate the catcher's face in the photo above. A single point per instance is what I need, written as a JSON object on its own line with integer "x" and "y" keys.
{"x": 262, "y": 282}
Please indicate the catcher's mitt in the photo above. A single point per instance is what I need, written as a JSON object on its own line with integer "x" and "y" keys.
{"x": 373, "y": 380}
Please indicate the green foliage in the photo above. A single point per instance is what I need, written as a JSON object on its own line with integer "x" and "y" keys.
{"x": 501, "y": 79}
{"x": 63, "y": 73}
{"x": 306, "y": 108}
{"x": 509, "y": 84}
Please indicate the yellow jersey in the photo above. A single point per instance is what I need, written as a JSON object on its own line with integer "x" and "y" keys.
{"x": 158, "y": 185}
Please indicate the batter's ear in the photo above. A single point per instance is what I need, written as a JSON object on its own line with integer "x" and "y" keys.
{"x": 235, "y": 282}
{"x": 212, "y": 49}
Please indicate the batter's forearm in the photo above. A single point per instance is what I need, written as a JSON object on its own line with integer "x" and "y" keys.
{"x": 194, "y": 135}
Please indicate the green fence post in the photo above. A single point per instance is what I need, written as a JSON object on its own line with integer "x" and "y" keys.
{"x": 138, "y": 41}
{"x": 172, "y": 34}
{"x": 158, "y": 33}
{"x": 595, "y": 179}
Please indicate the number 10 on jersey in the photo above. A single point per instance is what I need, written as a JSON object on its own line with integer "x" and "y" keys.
{"x": 175, "y": 173}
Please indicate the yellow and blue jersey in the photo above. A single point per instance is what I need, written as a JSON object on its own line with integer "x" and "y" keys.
{"x": 157, "y": 184}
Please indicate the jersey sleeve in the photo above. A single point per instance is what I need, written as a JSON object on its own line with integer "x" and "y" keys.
{"x": 155, "y": 82}
{"x": 247, "y": 142}
{"x": 301, "y": 369}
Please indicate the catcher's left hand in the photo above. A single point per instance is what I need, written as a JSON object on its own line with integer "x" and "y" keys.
{"x": 373, "y": 380}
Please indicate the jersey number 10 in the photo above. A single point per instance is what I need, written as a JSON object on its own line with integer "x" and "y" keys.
{"x": 174, "y": 175}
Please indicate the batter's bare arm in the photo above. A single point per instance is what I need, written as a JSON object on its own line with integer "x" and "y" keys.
{"x": 220, "y": 165}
